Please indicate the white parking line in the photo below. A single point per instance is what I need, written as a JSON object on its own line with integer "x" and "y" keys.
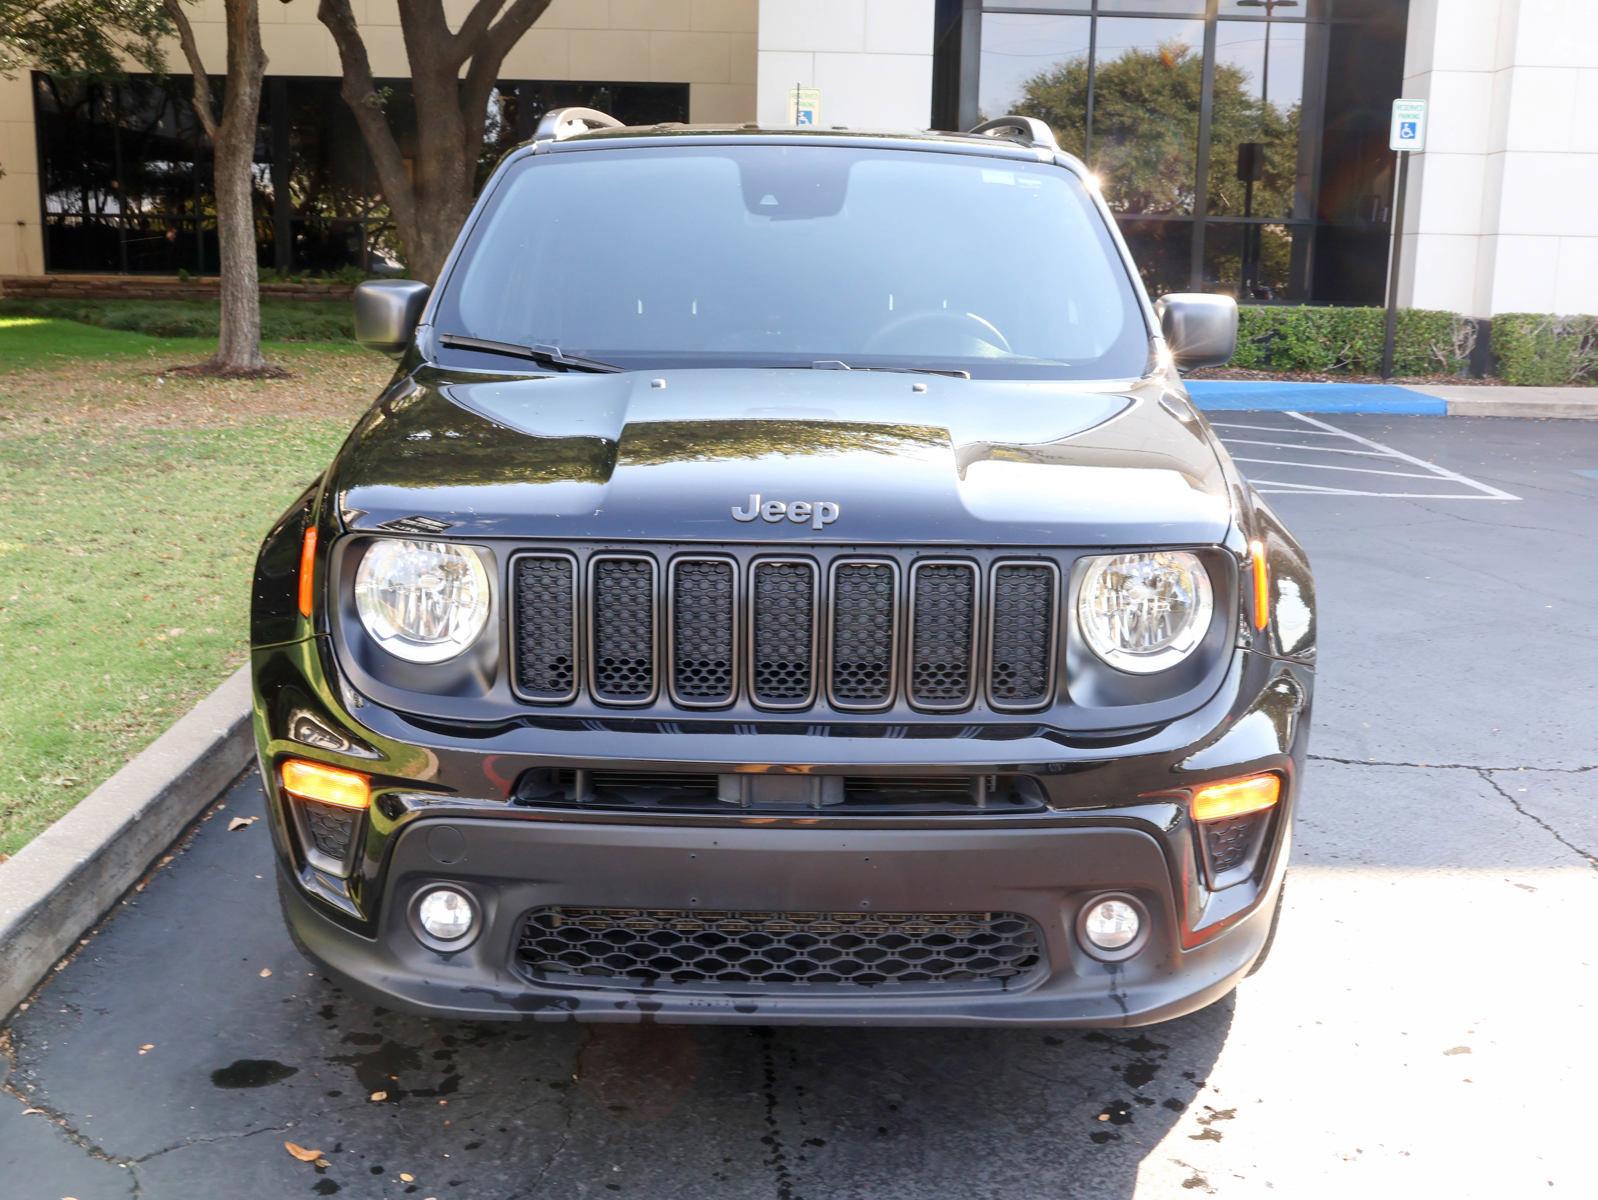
{"x": 1371, "y": 449}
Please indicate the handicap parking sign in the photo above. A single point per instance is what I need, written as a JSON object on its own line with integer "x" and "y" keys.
{"x": 1409, "y": 125}
{"x": 804, "y": 106}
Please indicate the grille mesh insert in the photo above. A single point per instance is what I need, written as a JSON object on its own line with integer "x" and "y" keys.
{"x": 545, "y": 628}
{"x": 840, "y": 951}
{"x": 1022, "y": 637}
{"x": 944, "y": 625}
{"x": 624, "y": 629}
{"x": 862, "y": 633}
{"x": 784, "y": 633}
{"x": 1229, "y": 842}
{"x": 702, "y": 625}
{"x": 331, "y": 828}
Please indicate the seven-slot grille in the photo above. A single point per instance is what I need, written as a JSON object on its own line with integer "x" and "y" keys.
{"x": 856, "y": 632}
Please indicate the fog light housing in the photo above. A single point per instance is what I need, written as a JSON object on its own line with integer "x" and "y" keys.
{"x": 1113, "y": 927}
{"x": 446, "y": 916}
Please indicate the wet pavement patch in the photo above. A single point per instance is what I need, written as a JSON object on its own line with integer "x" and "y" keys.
{"x": 252, "y": 1073}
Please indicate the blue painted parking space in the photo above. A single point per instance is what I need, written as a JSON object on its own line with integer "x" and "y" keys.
{"x": 1239, "y": 395}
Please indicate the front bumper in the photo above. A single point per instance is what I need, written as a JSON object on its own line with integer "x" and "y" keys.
{"x": 1116, "y": 822}
{"x": 1047, "y": 875}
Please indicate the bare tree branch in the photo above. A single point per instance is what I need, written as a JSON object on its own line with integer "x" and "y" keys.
{"x": 204, "y": 104}
{"x": 489, "y": 54}
{"x": 473, "y": 27}
{"x": 359, "y": 90}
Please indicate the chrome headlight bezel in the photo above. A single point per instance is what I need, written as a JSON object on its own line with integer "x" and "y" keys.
{"x": 1181, "y": 573}
{"x": 454, "y": 574}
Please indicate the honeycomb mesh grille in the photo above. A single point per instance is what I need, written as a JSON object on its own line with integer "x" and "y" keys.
{"x": 944, "y": 627}
{"x": 862, "y": 633}
{"x": 546, "y": 667}
{"x": 331, "y": 828}
{"x": 841, "y": 951}
{"x": 1020, "y": 669}
{"x": 702, "y": 625}
{"x": 784, "y": 633}
{"x": 624, "y": 629}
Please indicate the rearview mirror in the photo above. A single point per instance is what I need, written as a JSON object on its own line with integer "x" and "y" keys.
{"x": 386, "y": 313}
{"x": 1200, "y": 329}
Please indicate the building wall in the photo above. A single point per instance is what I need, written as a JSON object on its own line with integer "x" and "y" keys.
{"x": 870, "y": 59}
{"x": 707, "y": 44}
{"x": 1501, "y": 215}
{"x": 21, "y": 241}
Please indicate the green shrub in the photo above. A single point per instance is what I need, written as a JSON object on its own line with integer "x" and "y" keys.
{"x": 1349, "y": 341}
{"x": 1537, "y": 350}
{"x": 282, "y": 320}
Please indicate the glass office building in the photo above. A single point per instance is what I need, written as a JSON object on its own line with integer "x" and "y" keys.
{"x": 1241, "y": 143}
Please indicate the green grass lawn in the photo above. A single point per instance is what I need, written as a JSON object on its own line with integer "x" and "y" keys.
{"x": 134, "y": 504}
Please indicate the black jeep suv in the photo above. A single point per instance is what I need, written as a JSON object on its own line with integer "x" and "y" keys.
{"x": 785, "y": 581}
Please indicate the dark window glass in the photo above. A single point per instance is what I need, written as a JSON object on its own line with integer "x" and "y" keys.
{"x": 1182, "y": 8}
{"x": 1255, "y": 262}
{"x": 1278, "y": 9}
{"x": 1037, "y": 66}
{"x": 761, "y": 255}
{"x": 1146, "y": 90}
{"x": 1259, "y": 164}
{"x": 1163, "y": 251}
{"x": 126, "y": 169}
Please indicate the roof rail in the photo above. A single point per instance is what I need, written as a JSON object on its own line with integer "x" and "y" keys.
{"x": 1025, "y": 129}
{"x": 559, "y": 124}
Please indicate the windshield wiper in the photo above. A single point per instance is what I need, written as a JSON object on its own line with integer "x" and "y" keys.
{"x": 549, "y": 356}
{"x": 833, "y": 364}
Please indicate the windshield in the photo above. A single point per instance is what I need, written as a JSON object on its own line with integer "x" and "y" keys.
{"x": 765, "y": 255}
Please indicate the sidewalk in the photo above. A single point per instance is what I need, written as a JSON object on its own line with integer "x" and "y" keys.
{"x": 1229, "y": 395}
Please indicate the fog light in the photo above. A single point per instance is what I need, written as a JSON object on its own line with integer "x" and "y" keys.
{"x": 446, "y": 914}
{"x": 1112, "y": 927}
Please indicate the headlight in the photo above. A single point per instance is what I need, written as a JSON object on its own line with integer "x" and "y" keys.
{"x": 1144, "y": 612}
{"x": 422, "y": 601}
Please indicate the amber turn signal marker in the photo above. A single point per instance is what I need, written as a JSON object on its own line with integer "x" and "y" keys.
{"x": 327, "y": 785}
{"x": 1236, "y": 797}
{"x": 307, "y": 570}
{"x": 1262, "y": 585}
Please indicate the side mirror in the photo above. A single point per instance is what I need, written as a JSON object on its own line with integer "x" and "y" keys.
{"x": 1200, "y": 329}
{"x": 386, "y": 313}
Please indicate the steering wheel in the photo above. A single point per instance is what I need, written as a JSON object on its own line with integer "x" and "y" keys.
{"x": 882, "y": 341}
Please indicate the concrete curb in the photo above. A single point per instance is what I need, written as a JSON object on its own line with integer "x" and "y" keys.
{"x": 64, "y": 880}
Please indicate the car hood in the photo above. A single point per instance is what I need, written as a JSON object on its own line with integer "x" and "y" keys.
{"x": 903, "y": 457}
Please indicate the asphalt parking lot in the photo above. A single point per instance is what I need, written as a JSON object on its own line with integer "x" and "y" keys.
{"x": 1423, "y": 1028}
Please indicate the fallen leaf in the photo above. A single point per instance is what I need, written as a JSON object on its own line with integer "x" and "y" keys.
{"x": 28, "y": 1112}
{"x": 266, "y": 972}
{"x": 404, "y": 1178}
{"x": 323, "y": 1163}
{"x": 147, "y": 1047}
{"x": 241, "y": 823}
{"x": 301, "y": 1153}
{"x": 379, "y": 1096}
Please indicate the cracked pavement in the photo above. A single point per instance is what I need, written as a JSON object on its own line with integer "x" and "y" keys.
{"x": 1422, "y": 1027}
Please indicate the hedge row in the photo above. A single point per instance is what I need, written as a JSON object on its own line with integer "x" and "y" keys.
{"x": 1349, "y": 341}
{"x": 281, "y": 320}
{"x": 1537, "y": 350}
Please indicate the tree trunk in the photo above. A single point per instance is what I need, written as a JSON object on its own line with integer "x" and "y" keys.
{"x": 238, "y": 350}
{"x": 452, "y": 77}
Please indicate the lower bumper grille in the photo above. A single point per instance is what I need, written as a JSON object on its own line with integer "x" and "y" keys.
{"x": 841, "y": 951}
{"x": 809, "y": 794}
